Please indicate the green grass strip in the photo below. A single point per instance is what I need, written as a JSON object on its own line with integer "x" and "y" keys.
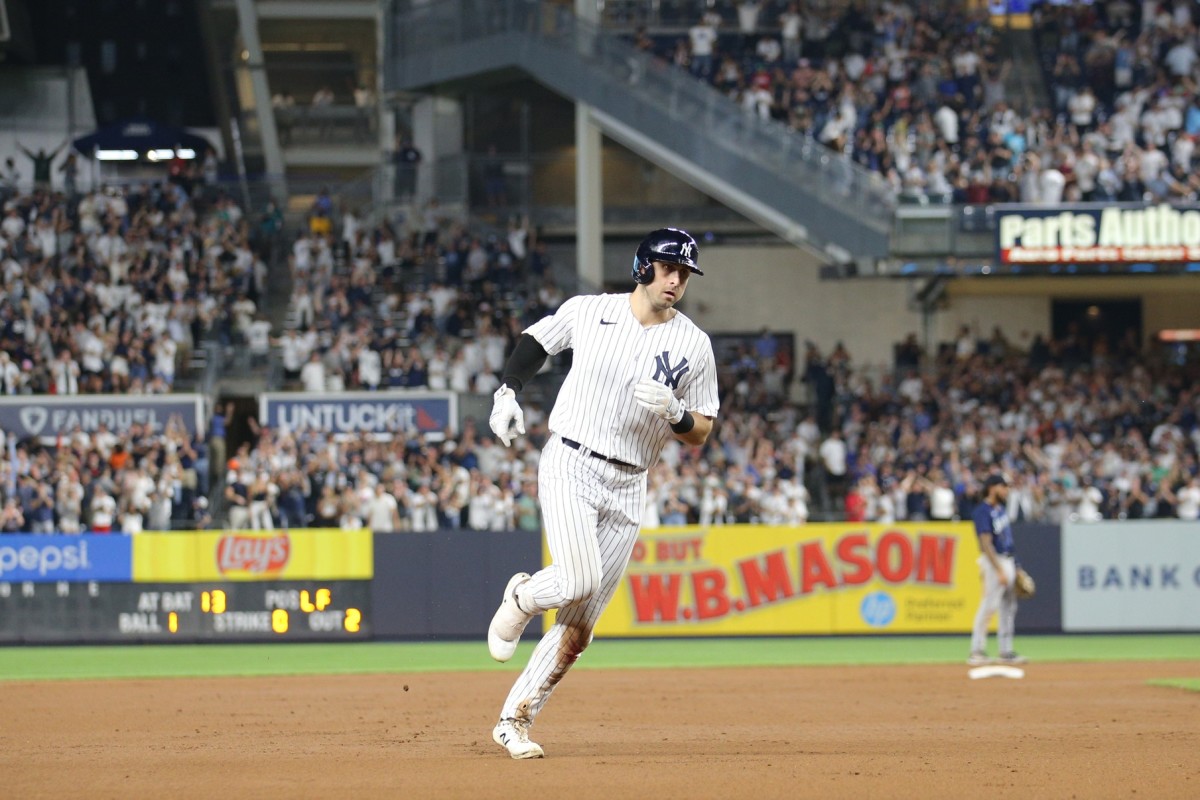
{"x": 157, "y": 661}
{"x": 1188, "y": 684}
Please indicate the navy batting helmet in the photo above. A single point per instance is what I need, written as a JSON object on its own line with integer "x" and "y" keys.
{"x": 665, "y": 244}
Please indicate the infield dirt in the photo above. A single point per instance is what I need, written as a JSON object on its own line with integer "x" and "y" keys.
{"x": 1065, "y": 730}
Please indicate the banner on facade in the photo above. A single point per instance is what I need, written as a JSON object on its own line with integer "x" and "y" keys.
{"x": 77, "y": 559}
{"x": 814, "y": 579}
{"x": 1131, "y": 576}
{"x": 406, "y": 412}
{"x": 1097, "y": 233}
{"x": 49, "y": 416}
{"x": 307, "y": 554}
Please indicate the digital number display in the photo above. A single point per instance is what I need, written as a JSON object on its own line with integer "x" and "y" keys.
{"x": 253, "y": 610}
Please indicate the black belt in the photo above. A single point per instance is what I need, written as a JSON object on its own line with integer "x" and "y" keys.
{"x": 574, "y": 445}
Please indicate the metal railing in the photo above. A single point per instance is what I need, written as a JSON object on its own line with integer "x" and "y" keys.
{"x": 536, "y": 35}
{"x": 335, "y": 124}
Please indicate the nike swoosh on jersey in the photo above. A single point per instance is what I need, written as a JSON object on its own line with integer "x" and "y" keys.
{"x": 606, "y": 322}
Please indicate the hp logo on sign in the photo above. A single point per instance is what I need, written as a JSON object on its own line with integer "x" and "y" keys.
{"x": 878, "y": 609}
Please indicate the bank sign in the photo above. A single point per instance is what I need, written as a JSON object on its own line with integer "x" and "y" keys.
{"x": 48, "y": 416}
{"x": 1131, "y": 576}
{"x": 1097, "y": 234}
{"x": 410, "y": 413}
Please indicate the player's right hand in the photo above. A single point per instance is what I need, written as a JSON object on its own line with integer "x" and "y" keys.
{"x": 507, "y": 419}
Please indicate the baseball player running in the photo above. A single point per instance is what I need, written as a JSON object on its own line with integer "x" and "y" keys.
{"x": 641, "y": 372}
{"x": 999, "y": 569}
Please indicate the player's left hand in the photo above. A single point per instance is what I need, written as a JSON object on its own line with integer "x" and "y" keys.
{"x": 652, "y": 395}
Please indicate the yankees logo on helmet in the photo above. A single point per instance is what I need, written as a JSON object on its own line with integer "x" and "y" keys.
{"x": 670, "y": 245}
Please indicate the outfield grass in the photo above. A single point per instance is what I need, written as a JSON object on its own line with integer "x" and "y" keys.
{"x": 1190, "y": 684}
{"x": 182, "y": 660}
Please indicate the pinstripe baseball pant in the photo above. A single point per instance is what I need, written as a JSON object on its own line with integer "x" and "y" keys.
{"x": 592, "y": 511}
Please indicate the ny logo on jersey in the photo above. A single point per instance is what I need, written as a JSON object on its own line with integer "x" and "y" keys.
{"x": 668, "y": 374}
{"x": 685, "y": 249}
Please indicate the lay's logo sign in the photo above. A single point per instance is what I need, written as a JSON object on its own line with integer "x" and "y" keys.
{"x": 255, "y": 555}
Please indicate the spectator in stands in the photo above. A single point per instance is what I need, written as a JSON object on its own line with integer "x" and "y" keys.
{"x": 406, "y": 160}
{"x": 42, "y": 164}
{"x": 10, "y": 179}
{"x": 237, "y": 498}
{"x": 323, "y": 97}
{"x": 320, "y": 214}
{"x": 261, "y": 500}
{"x": 313, "y": 374}
{"x": 833, "y": 454}
{"x": 328, "y": 508}
{"x": 103, "y": 510}
{"x": 12, "y": 519}
{"x": 383, "y": 513}
{"x": 40, "y": 514}
{"x": 702, "y": 38}
{"x": 1188, "y": 499}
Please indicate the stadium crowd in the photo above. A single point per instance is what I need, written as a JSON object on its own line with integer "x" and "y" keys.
{"x": 438, "y": 307}
{"x": 1081, "y": 431}
{"x": 916, "y": 92}
{"x": 108, "y": 291}
{"x": 1085, "y": 429}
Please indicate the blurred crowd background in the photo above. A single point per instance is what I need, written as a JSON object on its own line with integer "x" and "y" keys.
{"x": 114, "y": 290}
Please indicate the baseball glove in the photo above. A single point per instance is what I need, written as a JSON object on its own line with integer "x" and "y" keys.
{"x": 1025, "y": 586}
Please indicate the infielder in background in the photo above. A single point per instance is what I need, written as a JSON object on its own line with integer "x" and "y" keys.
{"x": 642, "y": 372}
{"x": 999, "y": 570}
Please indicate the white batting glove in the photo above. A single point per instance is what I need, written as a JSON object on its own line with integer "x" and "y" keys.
{"x": 507, "y": 419}
{"x": 652, "y": 395}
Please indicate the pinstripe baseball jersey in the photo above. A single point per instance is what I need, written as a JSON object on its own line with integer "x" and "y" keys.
{"x": 612, "y": 352}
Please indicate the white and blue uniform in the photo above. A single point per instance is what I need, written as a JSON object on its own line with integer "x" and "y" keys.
{"x": 996, "y": 596}
{"x": 592, "y": 474}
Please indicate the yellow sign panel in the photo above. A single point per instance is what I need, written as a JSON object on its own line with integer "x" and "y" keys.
{"x": 815, "y": 579}
{"x": 309, "y": 554}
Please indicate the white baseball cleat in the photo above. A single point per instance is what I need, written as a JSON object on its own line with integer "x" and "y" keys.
{"x": 508, "y": 624}
{"x": 513, "y": 736}
{"x": 978, "y": 659}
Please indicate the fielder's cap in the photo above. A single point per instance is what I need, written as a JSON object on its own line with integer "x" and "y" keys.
{"x": 994, "y": 480}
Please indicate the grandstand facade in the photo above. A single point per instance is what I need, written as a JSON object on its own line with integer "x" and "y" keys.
{"x": 936, "y": 242}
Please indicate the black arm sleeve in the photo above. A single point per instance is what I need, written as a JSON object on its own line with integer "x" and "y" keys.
{"x": 526, "y": 359}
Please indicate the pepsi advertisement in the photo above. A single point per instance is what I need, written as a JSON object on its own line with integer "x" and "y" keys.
{"x": 76, "y": 559}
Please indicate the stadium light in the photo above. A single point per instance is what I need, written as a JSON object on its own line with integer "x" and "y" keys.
{"x": 161, "y": 154}
{"x": 117, "y": 155}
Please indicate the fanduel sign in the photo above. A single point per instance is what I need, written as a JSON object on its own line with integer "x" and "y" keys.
{"x": 49, "y": 416}
{"x": 361, "y": 412}
{"x": 1097, "y": 234}
{"x": 1131, "y": 576}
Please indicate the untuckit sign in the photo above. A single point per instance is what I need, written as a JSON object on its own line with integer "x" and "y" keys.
{"x": 408, "y": 413}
